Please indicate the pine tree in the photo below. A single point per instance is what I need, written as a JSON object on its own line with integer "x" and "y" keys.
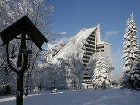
{"x": 130, "y": 54}
{"x": 101, "y": 77}
{"x": 135, "y": 75}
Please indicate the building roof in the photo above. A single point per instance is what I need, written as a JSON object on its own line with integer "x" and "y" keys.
{"x": 77, "y": 42}
{"x": 85, "y": 32}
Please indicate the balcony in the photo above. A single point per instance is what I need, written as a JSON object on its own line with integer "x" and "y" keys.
{"x": 89, "y": 45}
{"x": 90, "y": 49}
{"x": 85, "y": 61}
{"x": 86, "y": 57}
{"x": 91, "y": 41}
{"x": 88, "y": 53}
{"x": 85, "y": 65}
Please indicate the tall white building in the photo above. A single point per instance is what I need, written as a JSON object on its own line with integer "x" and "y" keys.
{"x": 84, "y": 45}
{"x": 92, "y": 45}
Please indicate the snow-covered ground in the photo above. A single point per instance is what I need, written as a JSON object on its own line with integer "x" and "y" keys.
{"x": 81, "y": 97}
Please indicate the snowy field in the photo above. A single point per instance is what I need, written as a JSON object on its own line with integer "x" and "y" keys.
{"x": 81, "y": 97}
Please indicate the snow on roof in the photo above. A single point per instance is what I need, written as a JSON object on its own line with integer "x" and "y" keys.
{"x": 75, "y": 42}
{"x": 84, "y": 33}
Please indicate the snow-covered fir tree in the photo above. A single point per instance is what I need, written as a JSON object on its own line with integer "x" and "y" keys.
{"x": 131, "y": 76}
{"x": 101, "y": 75}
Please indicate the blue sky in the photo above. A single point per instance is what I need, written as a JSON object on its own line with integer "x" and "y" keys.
{"x": 71, "y": 15}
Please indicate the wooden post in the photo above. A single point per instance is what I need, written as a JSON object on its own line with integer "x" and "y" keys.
{"x": 23, "y": 62}
{"x": 19, "y": 100}
{"x": 23, "y": 27}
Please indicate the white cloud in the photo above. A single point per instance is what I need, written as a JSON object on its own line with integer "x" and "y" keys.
{"x": 62, "y": 33}
{"x": 110, "y": 33}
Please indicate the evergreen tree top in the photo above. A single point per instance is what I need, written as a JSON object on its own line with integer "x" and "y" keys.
{"x": 132, "y": 16}
{"x": 131, "y": 21}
